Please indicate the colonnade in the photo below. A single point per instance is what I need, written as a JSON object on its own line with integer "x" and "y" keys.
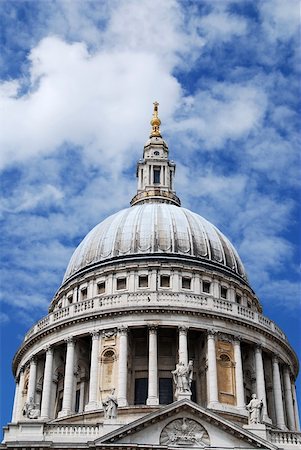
{"x": 286, "y": 409}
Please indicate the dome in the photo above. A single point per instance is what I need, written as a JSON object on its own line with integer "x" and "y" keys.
{"x": 155, "y": 228}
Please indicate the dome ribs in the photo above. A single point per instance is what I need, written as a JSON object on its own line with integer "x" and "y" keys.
{"x": 155, "y": 228}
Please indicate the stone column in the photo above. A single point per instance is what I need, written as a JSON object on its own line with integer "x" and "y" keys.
{"x": 289, "y": 399}
{"x": 123, "y": 366}
{"x": 239, "y": 379}
{"x": 152, "y": 367}
{"x": 183, "y": 347}
{"x": 19, "y": 415}
{"x": 93, "y": 385}
{"x": 69, "y": 379}
{"x": 212, "y": 388}
{"x": 32, "y": 380}
{"x": 16, "y": 399}
{"x": 81, "y": 396}
{"x": 296, "y": 411}
{"x": 278, "y": 394}
{"x": 260, "y": 381}
{"x": 47, "y": 383}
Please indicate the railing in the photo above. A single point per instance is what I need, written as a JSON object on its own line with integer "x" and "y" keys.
{"x": 71, "y": 430}
{"x": 288, "y": 438}
{"x": 102, "y": 303}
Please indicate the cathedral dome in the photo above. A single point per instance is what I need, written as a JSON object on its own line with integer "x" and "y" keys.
{"x": 155, "y": 228}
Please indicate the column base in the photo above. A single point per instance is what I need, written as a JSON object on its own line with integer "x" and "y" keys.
{"x": 152, "y": 401}
{"x": 92, "y": 406}
{"x": 122, "y": 402}
{"x": 63, "y": 413}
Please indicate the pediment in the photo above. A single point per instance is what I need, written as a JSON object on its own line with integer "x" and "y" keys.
{"x": 182, "y": 424}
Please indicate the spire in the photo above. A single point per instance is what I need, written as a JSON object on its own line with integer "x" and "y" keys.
{"x": 155, "y": 122}
{"x": 155, "y": 172}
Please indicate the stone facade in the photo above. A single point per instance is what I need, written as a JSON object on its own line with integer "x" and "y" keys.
{"x": 153, "y": 288}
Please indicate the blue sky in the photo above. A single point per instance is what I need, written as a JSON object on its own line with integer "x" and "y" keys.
{"x": 77, "y": 83}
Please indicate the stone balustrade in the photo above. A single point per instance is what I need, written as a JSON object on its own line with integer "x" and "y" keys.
{"x": 285, "y": 439}
{"x": 155, "y": 299}
{"x": 71, "y": 430}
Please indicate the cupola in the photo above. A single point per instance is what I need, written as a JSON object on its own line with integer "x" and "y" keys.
{"x": 155, "y": 172}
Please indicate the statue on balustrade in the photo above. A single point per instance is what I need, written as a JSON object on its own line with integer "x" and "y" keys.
{"x": 31, "y": 409}
{"x": 254, "y": 409}
{"x": 182, "y": 377}
{"x": 110, "y": 406}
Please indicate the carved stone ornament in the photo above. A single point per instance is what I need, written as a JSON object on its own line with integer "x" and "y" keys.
{"x": 31, "y": 409}
{"x": 184, "y": 432}
{"x": 108, "y": 334}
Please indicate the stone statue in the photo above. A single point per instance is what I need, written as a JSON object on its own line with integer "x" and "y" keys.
{"x": 182, "y": 377}
{"x": 255, "y": 410}
{"x": 110, "y": 406}
{"x": 31, "y": 409}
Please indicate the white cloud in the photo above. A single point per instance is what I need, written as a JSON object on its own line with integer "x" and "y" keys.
{"x": 223, "y": 111}
{"x": 96, "y": 101}
{"x": 281, "y": 20}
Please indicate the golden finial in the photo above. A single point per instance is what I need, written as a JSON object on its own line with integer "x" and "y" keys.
{"x": 155, "y": 122}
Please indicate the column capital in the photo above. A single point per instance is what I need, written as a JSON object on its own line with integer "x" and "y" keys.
{"x": 123, "y": 331}
{"x": 33, "y": 360}
{"x": 237, "y": 339}
{"x": 258, "y": 348}
{"x": 48, "y": 349}
{"x": 95, "y": 334}
{"x": 183, "y": 329}
{"x": 275, "y": 359}
{"x": 152, "y": 328}
{"x": 70, "y": 341}
{"x": 211, "y": 333}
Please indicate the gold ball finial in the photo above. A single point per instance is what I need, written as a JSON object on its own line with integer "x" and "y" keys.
{"x": 155, "y": 122}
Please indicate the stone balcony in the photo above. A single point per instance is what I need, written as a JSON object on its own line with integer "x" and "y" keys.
{"x": 158, "y": 300}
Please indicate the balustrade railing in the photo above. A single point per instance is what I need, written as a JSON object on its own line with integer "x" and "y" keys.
{"x": 70, "y": 430}
{"x": 158, "y": 299}
{"x": 289, "y": 438}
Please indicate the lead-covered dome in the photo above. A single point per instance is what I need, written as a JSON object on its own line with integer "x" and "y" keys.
{"x": 155, "y": 228}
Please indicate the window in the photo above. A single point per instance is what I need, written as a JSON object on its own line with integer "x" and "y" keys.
{"x": 156, "y": 175}
{"x": 143, "y": 281}
{"x": 186, "y": 283}
{"x": 84, "y": 293}
{"x": 156, "y": 153}
{"x": 101, "y": 287}
{"x": 141, "y": 390}
{"x": 121, "y": 283}
{"x": 238, "y": 299}
{"x": 249, "y": 305}
{"x": 224, "y": 292}
{"x": 77, "y": 397}
{"x": 206, "y": 286}
{"x": 165, "y": 281}
{"x": 165, "y": 391}
{"x": 69, "y": 299}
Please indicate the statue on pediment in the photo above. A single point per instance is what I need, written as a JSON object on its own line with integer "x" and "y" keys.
{"x": 254, "y": 408}
{"x": 182, "y": 377}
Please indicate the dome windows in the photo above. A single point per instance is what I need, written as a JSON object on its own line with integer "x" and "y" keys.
{"x": 224, "y": 292}
{"x": 206, "y": 286}
{"x": 101, "y": 287}
{"x": 186, "y": 283}
{"x": 143, "y": 281}
{"x": 120, "y": 284}
{"x": 165, "y": 281}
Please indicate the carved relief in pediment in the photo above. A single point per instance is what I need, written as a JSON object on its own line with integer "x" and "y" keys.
{"x": 184, "y": 432}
